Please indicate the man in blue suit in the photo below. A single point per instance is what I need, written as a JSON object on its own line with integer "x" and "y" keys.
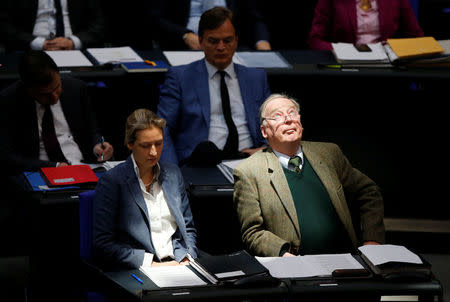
{"x": 213, "y": 99}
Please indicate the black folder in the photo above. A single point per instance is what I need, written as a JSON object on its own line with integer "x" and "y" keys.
{"x": 239, "y": 268}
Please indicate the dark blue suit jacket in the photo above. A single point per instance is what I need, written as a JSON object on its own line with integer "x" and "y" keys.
{"x": 19, "y": 134}
{"x": 185, "y": 104}
{"x": 121, "y": 223}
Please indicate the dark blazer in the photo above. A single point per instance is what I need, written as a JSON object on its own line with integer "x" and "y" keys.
{"x": 17, "y": 19}
{"x": 185, "y": 104}
{"x": 122, "y": 229}
{"x": 266, "y": 210}
{"x": 172, "y": 17}
{"x": 19, "y": 127}
{"x": 335, "y": 21}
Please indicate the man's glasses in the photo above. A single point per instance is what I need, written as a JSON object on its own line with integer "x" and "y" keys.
{"x": 282, "y": 118}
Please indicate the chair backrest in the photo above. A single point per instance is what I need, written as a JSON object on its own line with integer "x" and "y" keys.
{"x": 86, "y": 223}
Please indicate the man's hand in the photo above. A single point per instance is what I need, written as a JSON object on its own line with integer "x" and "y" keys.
{"x": 287, "y": 254}
{"x": 61, "y": 164}
{"x": 191, "y": 41}
{"x": 60, "y": 43}
{"x": 107, "y": 151}
{"x": 263, "y": 45}
{"x": 167, "y": 263}
{"x": 370, "y": 243}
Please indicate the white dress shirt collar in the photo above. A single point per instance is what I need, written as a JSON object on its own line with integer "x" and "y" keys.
{"x": 212, "y": 70}
{"x": 284, "y": 159}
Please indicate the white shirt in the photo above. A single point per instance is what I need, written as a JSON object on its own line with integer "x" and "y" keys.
{"x": 218, "y": 130}
{"x": 162, "y": 222}
{"x": 68, "y": 145}
{"x": 284, "y": 159}
{"x": 46, "y": 23}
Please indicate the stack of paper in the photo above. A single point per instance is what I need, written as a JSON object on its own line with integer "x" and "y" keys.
{"x": 308, "y": 265}
{"x": 114, "y": 55}
{"x": 266, "y": 59}
{"x": 386, "y": 259}
{"x": 346, "y": 53}
{"x": 69, "y": 58}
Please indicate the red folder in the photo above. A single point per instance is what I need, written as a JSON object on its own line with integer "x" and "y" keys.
{"x": 69, "y": 175}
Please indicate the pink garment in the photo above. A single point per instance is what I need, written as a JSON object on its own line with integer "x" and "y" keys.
{"x": 336, "y": 21}
{"x": 368, "y": 30}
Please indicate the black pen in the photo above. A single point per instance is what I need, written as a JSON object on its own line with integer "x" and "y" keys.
{"x": 137, "y": 278}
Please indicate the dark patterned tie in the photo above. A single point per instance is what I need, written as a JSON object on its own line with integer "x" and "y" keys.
{"x": 231, "y": 146}
{"x": 295, "y": 162}
{"x": 51, "y": 143}
{"x": 59, "y": 19}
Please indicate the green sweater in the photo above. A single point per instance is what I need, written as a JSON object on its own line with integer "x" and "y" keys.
{"x": 320, "y": 228}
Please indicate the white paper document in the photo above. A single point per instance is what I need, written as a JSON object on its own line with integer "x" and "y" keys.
{"x": 268, "y": 59}
{"x": 114, "y": 55}
{"x": 383, "y": 253}
{"x": 69, "y": 58}
{"x": 265, "y": 59}
{"x": 227, "y": 167}
{"x": 172, "y": 276}
{"x": 347, "y": 53}
{"x": 108, "y": 165}
{"x": 308, "y": 265}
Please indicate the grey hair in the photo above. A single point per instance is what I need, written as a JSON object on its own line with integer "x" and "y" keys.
{"x": 271, "y": 97}
{"x": 141, "y": 119}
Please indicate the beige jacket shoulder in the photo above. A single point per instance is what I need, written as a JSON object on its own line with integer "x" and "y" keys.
{"x": 266, "y": 210}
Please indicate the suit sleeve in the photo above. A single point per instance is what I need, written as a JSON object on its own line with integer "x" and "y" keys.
{"x": 363, "y": 198}
{"x": 88, "y": 22}
{"x": 320, "y": 32}
{"x": 408, "y": 25}
{"x": 191, "y": 233}
{"x": 107, "y": 249}
{"x": 256, "y": 238}
{"x": 13, "y": 36}
{"x": 259, "y": 31}
{"x": 15, "y": 150}
{"x": 169, "y": 108}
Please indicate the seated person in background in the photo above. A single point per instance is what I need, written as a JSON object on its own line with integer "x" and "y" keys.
{"x": 47, "y": 120}
{"x": 178, "y": 22}
{"x": 212, "y": 99}
{"x": 361, "y": 22}
{"x": 296, "y": 197}
{"x": 51, "y": 25}
{"x": 142, "y": 215}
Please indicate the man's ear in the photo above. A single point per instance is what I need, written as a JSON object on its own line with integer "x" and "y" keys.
{"x": 263, "y": 131}
{"x": 130, "y": 146}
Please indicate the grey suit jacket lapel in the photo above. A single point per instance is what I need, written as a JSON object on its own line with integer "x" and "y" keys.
{"x": 281, "y": 187}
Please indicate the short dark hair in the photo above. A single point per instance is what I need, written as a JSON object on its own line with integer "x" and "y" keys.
{"x": 36, "y": 68}
{"x": 215, "y": 17}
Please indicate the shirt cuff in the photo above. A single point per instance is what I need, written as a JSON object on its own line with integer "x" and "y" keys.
{"x": 148, "y": 260}
{"x": 285, "y": 248}
{"x": 37, "y": 43}
{"x": 76, "y": 42}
